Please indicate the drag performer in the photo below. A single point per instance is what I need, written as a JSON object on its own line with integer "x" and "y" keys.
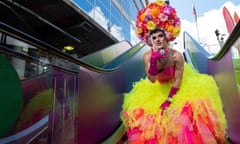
{"x": 174, "y": 104}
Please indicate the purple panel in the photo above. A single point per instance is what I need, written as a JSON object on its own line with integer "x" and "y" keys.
{"x": 99, "y": 105}
{"x": 223, "y": 72}
{"x": 62, "y": 123}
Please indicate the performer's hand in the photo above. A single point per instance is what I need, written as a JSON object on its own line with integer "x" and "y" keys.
{"x": 153, "y": 69}
{"x": 172, "y": 92}
{"x": 155, "y": 56}
{"x": 165, "y": 105}
{"x": 160, "y": 53}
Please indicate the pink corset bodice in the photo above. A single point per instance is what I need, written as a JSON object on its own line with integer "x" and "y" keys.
{"x": 166, "y": 75}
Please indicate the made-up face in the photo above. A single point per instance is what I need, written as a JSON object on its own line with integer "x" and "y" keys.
{"x": 159, "y": 40}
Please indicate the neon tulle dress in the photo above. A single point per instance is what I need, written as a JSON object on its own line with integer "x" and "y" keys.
{"x": 195, "y": 115}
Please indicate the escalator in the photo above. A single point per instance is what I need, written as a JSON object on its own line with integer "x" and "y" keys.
{"x": 113, "y": 56}
{"x": 66, "y": 100}
{"x": 224, "y": 67}
{"x": 52, "y": 96}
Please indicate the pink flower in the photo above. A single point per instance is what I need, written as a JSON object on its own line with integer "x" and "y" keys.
{"x": 163, "y": 17}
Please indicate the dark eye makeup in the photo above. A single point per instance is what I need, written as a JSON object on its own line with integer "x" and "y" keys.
{"x": 158, "y": 36}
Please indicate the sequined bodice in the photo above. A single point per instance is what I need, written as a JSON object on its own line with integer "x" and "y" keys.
{"x": 166, "y": 74}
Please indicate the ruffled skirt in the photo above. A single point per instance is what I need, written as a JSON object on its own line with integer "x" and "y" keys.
{"x": 195, "y": 115}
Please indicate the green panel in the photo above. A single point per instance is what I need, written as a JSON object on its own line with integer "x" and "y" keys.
{"x": 11, "y": 99}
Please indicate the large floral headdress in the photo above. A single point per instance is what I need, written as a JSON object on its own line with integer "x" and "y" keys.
{"x": 157, "y": 14}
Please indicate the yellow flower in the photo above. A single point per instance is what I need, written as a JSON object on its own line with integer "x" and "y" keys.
{"x": 151, "y": 25}
{"x": 176, "y": 31}
{"x": 160, "y": 2}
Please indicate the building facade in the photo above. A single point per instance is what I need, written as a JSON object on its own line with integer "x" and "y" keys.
{"x": 115, "y": 16}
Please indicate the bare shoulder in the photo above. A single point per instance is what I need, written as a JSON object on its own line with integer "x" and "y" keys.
{"x": 147, "y": 55}
{"x": 178, "y": 56}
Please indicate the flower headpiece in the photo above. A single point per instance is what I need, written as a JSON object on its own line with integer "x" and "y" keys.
{"x": 157, "y": 14}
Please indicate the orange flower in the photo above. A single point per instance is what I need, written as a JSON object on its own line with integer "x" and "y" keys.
{"x": 142, "y": 17}
{"x": 170, "y": 28}
{"x": 154, "y": 12}
{"x": 139, "y": 30}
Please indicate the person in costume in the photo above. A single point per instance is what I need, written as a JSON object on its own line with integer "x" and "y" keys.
{"x": 173, "y": 104}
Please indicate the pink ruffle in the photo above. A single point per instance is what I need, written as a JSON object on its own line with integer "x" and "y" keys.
{"x": 185, "y": 128}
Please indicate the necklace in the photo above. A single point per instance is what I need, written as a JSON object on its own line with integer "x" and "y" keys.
{"x": 165, "y": 55}
{"x": 163, "y": 60}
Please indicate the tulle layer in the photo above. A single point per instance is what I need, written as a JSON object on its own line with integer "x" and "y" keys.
{"x": 195, "y": 115}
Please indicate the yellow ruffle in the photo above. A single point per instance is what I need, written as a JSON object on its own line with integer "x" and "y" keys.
{"x": 141, "y": 105}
